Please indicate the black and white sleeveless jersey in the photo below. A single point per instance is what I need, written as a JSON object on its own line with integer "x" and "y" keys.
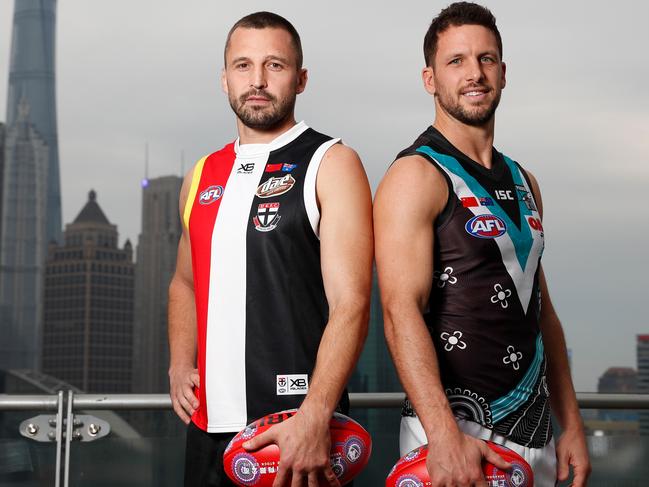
{"x": 260, "y": 302}
{"x": 485, "y": 301}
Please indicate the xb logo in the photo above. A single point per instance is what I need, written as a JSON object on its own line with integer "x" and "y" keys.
{"x": 246, "y": 168}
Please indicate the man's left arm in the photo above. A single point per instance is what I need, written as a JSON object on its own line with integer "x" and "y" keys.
{"x": 571, "y": 445}
{"x": 346, "y": 250}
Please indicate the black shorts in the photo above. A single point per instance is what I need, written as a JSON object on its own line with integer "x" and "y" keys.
{"x": 204, "y": 458}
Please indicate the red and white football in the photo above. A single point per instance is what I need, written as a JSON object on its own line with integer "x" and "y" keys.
{"x": 410, "y": 470}
{"x": 351, "y": 447}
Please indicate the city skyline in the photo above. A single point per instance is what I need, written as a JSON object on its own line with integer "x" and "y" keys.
{"x": 572, "y": 112}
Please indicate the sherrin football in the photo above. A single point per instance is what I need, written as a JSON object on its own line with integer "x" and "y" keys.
{"x": 410, "y": 470}
{"x": 351, "y": 447}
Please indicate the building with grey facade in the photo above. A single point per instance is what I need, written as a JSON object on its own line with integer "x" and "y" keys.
{"x": 30, "y": 199}
{"x": 22, "y": 242}
{"x": 156, "y": 263}
{"x": 88, "y": 324}
{"x": 32, "y": 78}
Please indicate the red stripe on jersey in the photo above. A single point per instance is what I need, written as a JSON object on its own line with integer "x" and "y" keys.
{"x": 212, "y": 185}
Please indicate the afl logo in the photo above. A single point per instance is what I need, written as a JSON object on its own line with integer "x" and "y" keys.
{"x": 210, "y": 195}
{"x": 486, "y": 226}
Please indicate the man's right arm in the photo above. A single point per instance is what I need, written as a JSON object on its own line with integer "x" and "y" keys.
{"x": 408, "y": 201}
{"x": 183, "y": 375}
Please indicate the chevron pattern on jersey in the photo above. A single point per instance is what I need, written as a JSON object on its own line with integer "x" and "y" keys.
{"x": 520, "y": 249}
{"x": 513, "y": 401}
{"x": 531, "y": 424}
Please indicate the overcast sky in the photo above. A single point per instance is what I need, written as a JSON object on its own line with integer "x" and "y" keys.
{"x": 575, "y": 112}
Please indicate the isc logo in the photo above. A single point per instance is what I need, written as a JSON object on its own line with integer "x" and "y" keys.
{"x": 210, "y": 195}
{"x": 486, "y": 226}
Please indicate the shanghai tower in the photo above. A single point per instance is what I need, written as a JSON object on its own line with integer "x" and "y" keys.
{"x": 30, "y": 197}
{"x": 31, "y": 76}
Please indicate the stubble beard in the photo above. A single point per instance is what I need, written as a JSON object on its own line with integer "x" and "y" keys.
{"x": 262, "y": 117}
{"x": 475, "y": 117}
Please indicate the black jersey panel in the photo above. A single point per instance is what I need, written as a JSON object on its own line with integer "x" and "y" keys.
{"x": 483, "y": 310}
{"x": 286, "y": 307}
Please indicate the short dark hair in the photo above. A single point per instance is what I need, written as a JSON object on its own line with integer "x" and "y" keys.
{"x": 456, "y": 14}
{"x": 268, "y": 20}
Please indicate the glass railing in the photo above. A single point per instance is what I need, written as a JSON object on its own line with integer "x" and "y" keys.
{"x": 145, "y": 444}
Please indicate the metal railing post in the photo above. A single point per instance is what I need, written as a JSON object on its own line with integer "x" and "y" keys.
{"x": 59, "y": 438}
{"x": 68, "y": 438}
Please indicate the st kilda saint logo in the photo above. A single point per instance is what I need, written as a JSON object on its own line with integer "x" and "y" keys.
{"x": 267, "y": 217}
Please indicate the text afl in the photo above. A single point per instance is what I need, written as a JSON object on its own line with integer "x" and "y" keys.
{"x": 210, "y": 195}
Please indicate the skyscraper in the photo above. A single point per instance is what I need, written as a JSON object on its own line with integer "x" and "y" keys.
{"x": 88, "y": 326}
{"x": 156, "y": 262}
{"x": 31, "y": 78}
{"x": 22, "y": 242}
{"x": 643, "y": 379}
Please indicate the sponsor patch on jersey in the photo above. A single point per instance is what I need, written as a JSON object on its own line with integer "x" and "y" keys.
{"x": 486, "y": 201}
{"x": 210, "y": 195}
{"x": 535, "y": 223}
{"x": 267, "y": 217}
{"x": 284, "y": 167}
{"x": 292, "y": 384}
{"x": 288, "y": 167}
{"x": 472, "y": 201}
{"x": 275, "y": 186}
{"x": 247, "y": 168}
{"x": 273, "y": 167}
{"x": 469, "y": 201}
{"x": 486, "y": 226}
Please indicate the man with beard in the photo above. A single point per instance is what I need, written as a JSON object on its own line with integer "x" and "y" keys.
{"x": 468, "y": 318}
{"x": 269, "y": 304}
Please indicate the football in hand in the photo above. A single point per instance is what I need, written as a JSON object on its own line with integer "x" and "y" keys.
{"x": 351, "y": 447}
{"x": 411, "y": 471}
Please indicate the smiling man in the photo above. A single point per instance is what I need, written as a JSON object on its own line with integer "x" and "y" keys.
{"x": 269, "y": 304}
{"x": 468, "y": 318}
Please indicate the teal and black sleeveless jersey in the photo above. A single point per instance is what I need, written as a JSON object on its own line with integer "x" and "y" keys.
{"x": 483, "y": 312}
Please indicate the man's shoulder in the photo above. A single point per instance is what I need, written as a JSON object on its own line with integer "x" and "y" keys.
{"x": 227, "y": 150}
{"x": 428, "y": 138}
